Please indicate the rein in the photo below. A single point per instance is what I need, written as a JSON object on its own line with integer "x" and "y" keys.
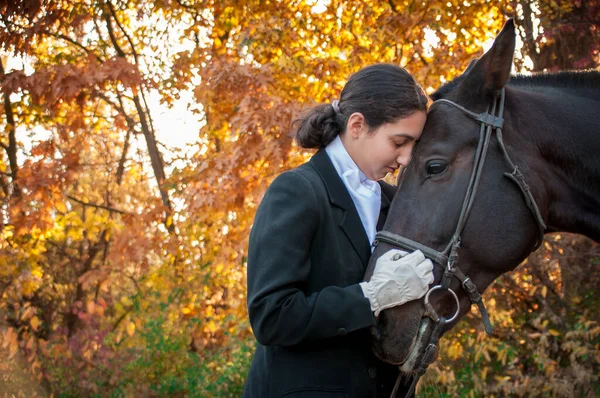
{"x": 448, "y": 258}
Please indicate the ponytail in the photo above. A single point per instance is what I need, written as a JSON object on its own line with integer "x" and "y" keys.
{"x": 318, "y": 126}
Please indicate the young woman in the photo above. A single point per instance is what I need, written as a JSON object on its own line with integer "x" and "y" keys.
{"x": 310, "y": 244}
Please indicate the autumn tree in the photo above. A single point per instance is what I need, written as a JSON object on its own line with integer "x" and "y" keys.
{"x": 123, "y": 257}
{"x": 560, "y": 35}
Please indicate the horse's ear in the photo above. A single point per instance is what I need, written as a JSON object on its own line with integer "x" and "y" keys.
{"x": 492, "y": 71}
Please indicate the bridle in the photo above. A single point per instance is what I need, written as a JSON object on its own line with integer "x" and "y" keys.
{"x": 448, "y": 258}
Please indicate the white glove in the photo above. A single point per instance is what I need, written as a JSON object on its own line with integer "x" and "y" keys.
{"x": 398, "y": 278}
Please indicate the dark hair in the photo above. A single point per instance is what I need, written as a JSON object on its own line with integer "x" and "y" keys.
{"x": 382, "y": 93}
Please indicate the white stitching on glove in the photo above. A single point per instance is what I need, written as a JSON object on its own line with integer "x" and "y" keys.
{"x": 397, "y": 279}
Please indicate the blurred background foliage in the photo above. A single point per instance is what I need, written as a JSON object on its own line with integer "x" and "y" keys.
{"x": 122, "y": 255}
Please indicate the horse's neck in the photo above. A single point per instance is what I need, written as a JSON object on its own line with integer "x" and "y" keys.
{"x": 563, "y": 127}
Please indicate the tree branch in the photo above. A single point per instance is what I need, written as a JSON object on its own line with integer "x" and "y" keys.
{"x": 72, "y": 41}
{"x": 155, "y": 155}
{"x": 114, "y": 15}
{"x": 103, "y": 207}
{"x": 119, "y": 108}
{"x": 11, "y": 150}
{"x": 113, "y": 38}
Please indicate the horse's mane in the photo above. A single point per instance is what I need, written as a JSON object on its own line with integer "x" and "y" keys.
{"x": 584, "y": 79}
{"x": 564, "y": 79}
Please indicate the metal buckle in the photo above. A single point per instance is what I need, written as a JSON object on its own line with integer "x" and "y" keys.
{"x": 430, "y": 311}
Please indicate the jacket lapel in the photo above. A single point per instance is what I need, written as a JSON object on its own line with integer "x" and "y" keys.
{"x": 339, "y": 196}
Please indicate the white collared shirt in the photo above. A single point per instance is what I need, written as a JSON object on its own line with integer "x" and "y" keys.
{"x": 365, "y": 193}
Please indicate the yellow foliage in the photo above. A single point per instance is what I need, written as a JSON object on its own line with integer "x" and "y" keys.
{"x": 126, "y": 301}
{"x": 455, "y": 350}
{"x": 35, "y": 323}
{"x": 130, "y": 328}
{"x": 37, "y": 271}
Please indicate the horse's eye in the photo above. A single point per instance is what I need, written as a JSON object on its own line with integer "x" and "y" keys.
{"x": 436, "y": 167}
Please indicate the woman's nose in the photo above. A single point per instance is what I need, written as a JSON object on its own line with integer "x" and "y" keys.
{"x": 404, "y": 158}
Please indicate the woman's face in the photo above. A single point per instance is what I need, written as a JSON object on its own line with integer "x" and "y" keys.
{"x": 384, "y": 150}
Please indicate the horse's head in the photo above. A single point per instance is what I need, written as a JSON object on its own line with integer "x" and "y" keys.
{"x": 499, "y": 230}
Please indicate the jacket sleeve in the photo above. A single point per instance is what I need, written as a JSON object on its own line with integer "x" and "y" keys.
{"x": 279, "y": 266}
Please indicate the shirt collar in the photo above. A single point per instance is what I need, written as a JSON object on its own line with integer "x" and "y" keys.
{"x": 343, "y": 162}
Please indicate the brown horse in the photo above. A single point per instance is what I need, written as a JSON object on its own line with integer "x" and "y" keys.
{"x": 501, "y": 161}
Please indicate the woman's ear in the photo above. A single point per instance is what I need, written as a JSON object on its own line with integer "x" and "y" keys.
{"x": 356, "y": 125}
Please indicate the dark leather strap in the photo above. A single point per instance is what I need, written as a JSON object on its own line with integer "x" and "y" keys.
{"x": 410, "y": 245}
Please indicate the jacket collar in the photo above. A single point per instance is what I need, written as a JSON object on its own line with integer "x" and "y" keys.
{"x": 339, "y": 196}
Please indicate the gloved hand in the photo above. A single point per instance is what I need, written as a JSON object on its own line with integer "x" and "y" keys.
{"x": 398, "y": 278}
